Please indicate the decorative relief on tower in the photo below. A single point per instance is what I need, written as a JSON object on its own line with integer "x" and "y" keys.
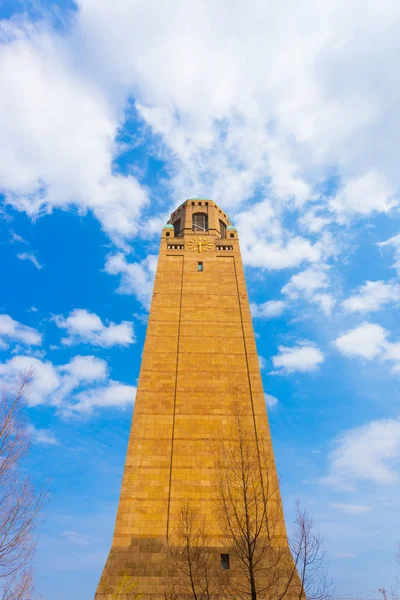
{"x": 199, "y": 244}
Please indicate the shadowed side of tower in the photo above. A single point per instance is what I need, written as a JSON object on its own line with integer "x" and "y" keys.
{"x": 199, "y": 357}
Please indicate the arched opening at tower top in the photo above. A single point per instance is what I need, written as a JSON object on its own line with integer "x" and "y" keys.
{"x": 199, "y": 222}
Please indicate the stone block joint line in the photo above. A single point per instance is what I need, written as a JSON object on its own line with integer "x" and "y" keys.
{"x": 174, "y": 408}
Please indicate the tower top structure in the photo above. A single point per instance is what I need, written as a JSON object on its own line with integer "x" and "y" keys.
{"x": 201, "y": 216}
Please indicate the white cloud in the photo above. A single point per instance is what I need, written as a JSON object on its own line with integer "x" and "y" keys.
{"x": 366, "y": 194}
{"x": 316, "y": 101}
{"x": 372, "y": 296}
{"x": 370, "y": 452}
{"x": 266, "y": 244}
{"x": 314, "y": 222}
{"x": 307, "y": 284}
{"x": 301, "y": 358}
{"x": 113, "y": 395}
{"x": 13, "y": 331}
{"x": 42, "y": 436}
{"x": 395, "y": 243}
{"x": 52, "y": 118}
{"x": 370, "y": 341}
{"x": 298, "y": 87}
{"x": 136, "y": 278}
{"x": 45, "y": 380}
{"x": 270, "y": 400}
{"x": 85, "y": 327}
{"x": 262, "y": 362}
{"x": 280, "y": 255}
{"x": 392, "y": 353}
{"x": 326, "y": 302}
{"x": 351, "y": 509}
{"x": 268, "y": 310}
{"x": 74, "y": 388}
{"x": 86, "y": 368}
{"x": 367, "y": 340}
{"x": 31, "y": 257}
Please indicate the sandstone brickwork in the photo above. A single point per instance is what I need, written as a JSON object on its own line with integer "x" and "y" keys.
{"x": 199, "y": 356}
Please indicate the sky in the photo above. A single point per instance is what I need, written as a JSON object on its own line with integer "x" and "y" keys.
{"x": 284, "y": 113}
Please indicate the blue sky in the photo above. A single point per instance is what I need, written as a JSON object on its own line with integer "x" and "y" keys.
{"x": 111, "y": 115}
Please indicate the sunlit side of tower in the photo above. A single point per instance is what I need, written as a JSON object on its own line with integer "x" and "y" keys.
{"x": 199, "y": 356}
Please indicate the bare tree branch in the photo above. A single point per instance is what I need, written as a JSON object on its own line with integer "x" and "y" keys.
{"x": 263, "y": 565}
{"x": 251, "y": 518}
{"x": 194, "y": 573}
{"x": 309, "y": 556}
{"x": 19, "y": 504}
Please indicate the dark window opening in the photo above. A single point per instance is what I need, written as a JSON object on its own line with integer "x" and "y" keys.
{"x": 192, "y": 203}
{"x": 199, "y": 222}
{"x": 167, "y": 234}
{"x": 199, "y": 266}
{"x": 225, "y": 561}
{"x": 232, "y": 235}
{"x": 206, "y": 203}
{"x": 199, "y": 203}
{"x": 177, "y": 228}
{"x": 222, "y": 228}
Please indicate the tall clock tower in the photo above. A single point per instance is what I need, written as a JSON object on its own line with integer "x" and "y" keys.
{"x": 199, "y": 356}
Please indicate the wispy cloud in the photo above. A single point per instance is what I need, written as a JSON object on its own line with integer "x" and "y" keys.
{"x": 345, "y": 555}
{"x": 77, "y": 538}
{"x": 42, "y": 436}
{"x": 351, "y": 509}
{"x": 262, "y": 362}
{"x": 370, "y": 452}
{"x": 31, "y": 257}
{"x": 393, "y": 242}
{"x": 16, "y": 238}
{"x": 271, "y": 401}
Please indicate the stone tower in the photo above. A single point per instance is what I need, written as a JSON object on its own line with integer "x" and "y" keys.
{"x": 199, "y": 353}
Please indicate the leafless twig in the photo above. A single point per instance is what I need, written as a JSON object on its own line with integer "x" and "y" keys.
{"x": 19, "y": 504}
